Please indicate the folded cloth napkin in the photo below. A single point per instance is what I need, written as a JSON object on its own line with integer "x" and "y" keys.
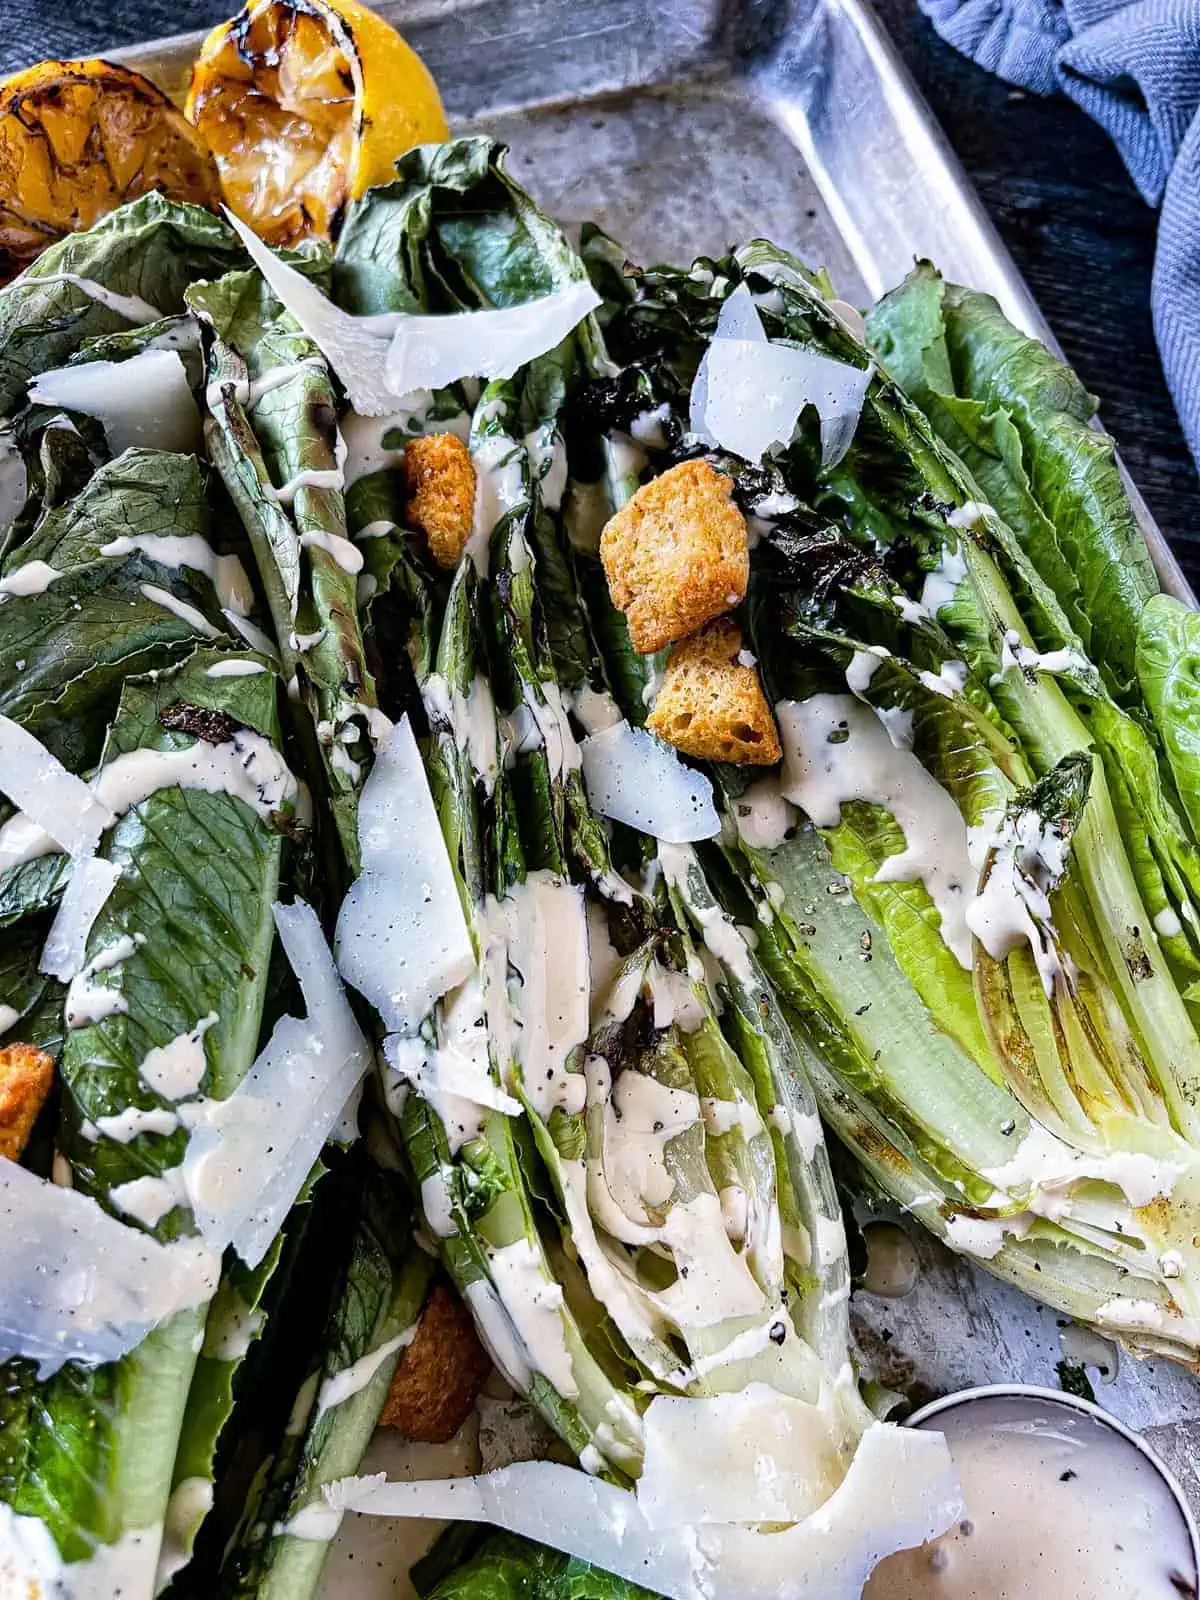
{"x": 1133, "y": 65}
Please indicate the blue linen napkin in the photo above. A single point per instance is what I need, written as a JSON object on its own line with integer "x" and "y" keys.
{"x": 1134, "y": 66}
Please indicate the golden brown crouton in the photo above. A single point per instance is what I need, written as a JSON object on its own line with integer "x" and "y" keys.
{"x": 26, "y": 1074}
{"x": 440, "y": 1374}
{"x": 440, "y": 477}
{"x": 676, "y": 554}
{"x": 711, "y": 704}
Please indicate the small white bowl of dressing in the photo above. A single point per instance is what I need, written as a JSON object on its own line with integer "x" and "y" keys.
{"x": 1063, "y": 1503}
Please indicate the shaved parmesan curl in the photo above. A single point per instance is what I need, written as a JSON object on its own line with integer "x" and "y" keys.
{"x": 382, "y": 359}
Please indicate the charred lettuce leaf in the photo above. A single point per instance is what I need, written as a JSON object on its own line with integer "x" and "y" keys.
{"x": 150, "y": 250}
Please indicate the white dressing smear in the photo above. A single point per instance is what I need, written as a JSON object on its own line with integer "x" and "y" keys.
{"x": 1058, "y": 1504}
{"x": 34, "y": 578}
{"x": 341, "y": 1386}
{"x": 836, "y": 749}
{"x": 535, "y": 949}
{"x": 247, "y": 766}
{"x": 225, "y": 573}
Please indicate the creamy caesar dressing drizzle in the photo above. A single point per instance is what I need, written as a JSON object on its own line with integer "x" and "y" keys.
{"x": 595, "y": 709}
{"x": 548, "y": 462}
{"x": 232, "y": 1326}
{"x": 312, "y": 477}
{"x": 437, "y": 1204}
{"x": 148, "y": 1200}
{"x": 455, "y": 1075}
{"x": 723, "y": 1116}
{"x": 351, "y": 1380}
{"x": 365, "y": 450}
{"x": 549, "y": 714}
{"x": 340, "y": 550}
{"x": 34, "y": 578}
{"x": 726, "y": 941}
{"x": 673, "y": 995}
{"x": 132, "y": 1123}
{"x": 950, "y": 680}
{"x": 87, "y": 1001}
{"x": 471, "y": 718}
{"x": 130, "y": 306}
{"x": 176, "y": 1070}
{"x": 941, "y": 584}
{"x": 762, "y": 816}
{"x": 248, "y": 392}
{"x": 535, "y": 956}
{"x": 714, "y": 1281}
{"x": 835, "y": 750}
{"x": 235, "y": 669}
{"x": 533, "y": 1301}
{"x": 1058, "y": 1505}
{"x": 1014, "y": 655}
{"x": 641, "y": 1117}
{"x": 246, "y": 766}
{"x": 649, "y": 428}
{"x": 501, "y": 486}
{"x": 196, "y": 620}
{"x": 864, "y": 664}
{"x": 225, "y": 573}
{"x": 191, "y": 1501}
{"x": 496, "y": 1332}
{"x": 1012, "y": 905}
{"x": 9, "y": 1016}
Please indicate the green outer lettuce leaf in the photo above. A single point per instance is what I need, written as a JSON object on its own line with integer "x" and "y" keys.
{"x": 1168, "y": 668}
{"x": 379, "y": 1297}
{"x": 152, "y": 248}
{"x": 506, "y": 1567}
{"x": 1026, "y": 437}
{"x": 91, "y": 1451}
{"x": 453, "y": 230}
{"x": 290, "y": 430}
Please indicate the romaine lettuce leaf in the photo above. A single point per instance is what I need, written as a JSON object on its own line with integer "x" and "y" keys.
{"x": 1020, "y": 419}
{"x": 152, "y": 249}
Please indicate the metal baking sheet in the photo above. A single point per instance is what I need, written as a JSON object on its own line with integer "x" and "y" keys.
{"x": 687, "y": 126}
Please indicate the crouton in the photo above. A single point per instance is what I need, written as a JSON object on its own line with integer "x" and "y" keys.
{"x": 440, "y": 1374}
{"x": 676, "y": 555}
{"x": 440, "y": 477}
{"x": 711, "y": 704}
{"x": 26, "y": 1074}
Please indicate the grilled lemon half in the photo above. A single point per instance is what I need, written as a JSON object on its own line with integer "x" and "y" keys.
{"x": 306, "y": 104}
{"x": 78, "y": 139}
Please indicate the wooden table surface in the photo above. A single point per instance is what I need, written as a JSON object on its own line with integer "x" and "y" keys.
{"x": 1049, "y": 177}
